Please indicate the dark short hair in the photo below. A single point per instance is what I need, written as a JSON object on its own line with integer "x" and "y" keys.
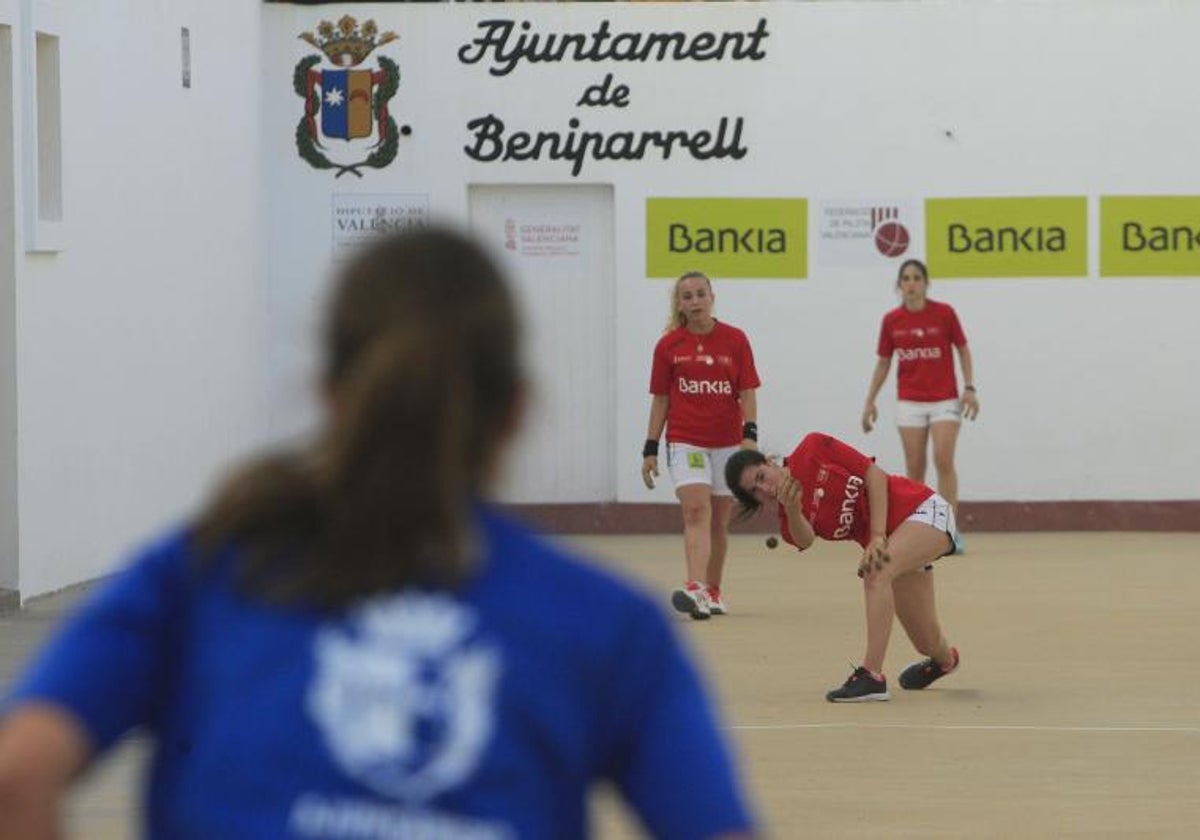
{"x": 734, "y": 467}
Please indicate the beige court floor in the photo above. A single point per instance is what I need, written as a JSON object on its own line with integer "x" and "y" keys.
{"x": 1075, "y": 713}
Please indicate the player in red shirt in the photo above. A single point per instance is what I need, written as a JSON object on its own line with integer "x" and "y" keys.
{"x": 830, "y": 490}
{"x": 921, "y": 333}
{"x": 703, "y": 383}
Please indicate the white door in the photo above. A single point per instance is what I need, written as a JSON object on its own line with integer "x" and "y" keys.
{"x": 556, "y": 243}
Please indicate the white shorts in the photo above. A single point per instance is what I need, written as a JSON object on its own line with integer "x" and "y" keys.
{"x": 918, "y": 415}
{"x": 696, "y": 465}
{"x": 937, "y": 513}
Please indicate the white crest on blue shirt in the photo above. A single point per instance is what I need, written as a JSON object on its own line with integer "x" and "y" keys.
{"x": 404, "y": 696}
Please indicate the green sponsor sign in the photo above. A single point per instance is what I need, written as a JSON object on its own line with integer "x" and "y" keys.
{"x": 727, "y": 237}
{"x": 1150, "y": 236}
{"x": 1006, "y": 237}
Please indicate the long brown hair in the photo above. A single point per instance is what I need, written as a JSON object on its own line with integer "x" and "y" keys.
{"x": 422, "y": 374}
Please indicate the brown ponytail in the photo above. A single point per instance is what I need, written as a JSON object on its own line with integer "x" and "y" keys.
{"x": 422, "y": 376}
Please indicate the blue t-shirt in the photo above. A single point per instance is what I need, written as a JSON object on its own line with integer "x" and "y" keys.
{"x": 484, "y": 713}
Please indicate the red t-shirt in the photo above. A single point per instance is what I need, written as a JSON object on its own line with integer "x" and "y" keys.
{"x": 921, "y": 341}
{"x": 702, "y": 375}
{"x": 833, "y": 491}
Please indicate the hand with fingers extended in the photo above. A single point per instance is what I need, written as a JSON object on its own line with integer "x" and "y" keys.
{"x": 649, "y": 470}
{"x": 875, "y": 556}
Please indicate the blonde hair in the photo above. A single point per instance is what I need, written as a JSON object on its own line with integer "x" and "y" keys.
{"x": 677, "y": 319}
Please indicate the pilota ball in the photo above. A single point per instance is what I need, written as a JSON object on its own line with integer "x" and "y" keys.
{"x": 772, "y": 542}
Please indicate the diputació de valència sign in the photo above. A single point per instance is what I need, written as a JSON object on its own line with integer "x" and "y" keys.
{"x": 503, "y": 45}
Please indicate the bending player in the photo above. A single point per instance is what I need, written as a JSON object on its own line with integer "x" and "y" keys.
{"x": 830, "y": 490}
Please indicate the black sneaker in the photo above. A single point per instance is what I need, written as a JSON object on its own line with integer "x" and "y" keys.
{"x": 924, "y": 673}
{"x": 861, "y": 687}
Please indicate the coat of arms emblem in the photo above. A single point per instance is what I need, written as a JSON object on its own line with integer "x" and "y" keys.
{"x": 348, "y": 101}
{"x": 405, "y": 694}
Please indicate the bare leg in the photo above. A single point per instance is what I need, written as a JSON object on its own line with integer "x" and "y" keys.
{"x": 945, "y": 438}
{"x": 916, "y": 441}
{"x": 911, "y": 546}
{"x": 722, "y": 507}
{"x": 696, "y": 501}
{"x": 917, "y": 610}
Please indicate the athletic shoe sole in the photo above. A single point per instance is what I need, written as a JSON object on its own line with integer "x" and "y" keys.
{"x": 685, "y": 603}
{"x": 866, "y": 698}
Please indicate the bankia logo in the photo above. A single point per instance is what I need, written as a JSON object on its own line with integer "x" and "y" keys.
{"x": 734, "y": 237}
{"x": 1150, "y": 236}
{"x": 1038, "y": 236}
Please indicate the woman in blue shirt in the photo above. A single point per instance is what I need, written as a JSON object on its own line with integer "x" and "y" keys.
{"x": 348, "y": 642}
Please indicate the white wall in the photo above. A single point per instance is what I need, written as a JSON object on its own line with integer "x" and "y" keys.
{"x": 1086, "y": 384}
{"x": 141, "y": 332}
{"x": 139, "y": 343}
{"x": 8, "y": 319}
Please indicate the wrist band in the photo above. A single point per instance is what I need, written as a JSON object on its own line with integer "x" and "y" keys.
{"x": 750, "y": 431}
{"x": 650, "y": 449}
{"x": 968, "y": 387}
